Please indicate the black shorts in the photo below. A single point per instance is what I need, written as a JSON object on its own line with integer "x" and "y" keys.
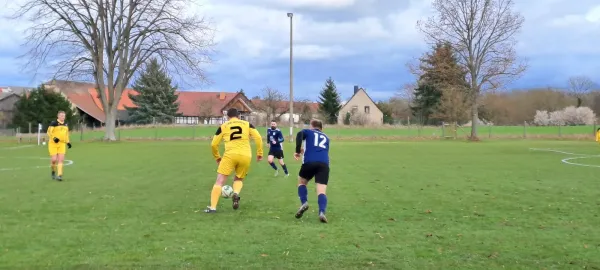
{"x": 278, "y": 154}
{"x": 317, "y": 170}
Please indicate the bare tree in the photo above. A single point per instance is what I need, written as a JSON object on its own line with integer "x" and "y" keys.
{"x": 407, "y": 92}
{"x": 273, "y": 103}
{"x": 482, "y": 32}
{"x": 108, "y": 40}
{"x": 579, "y": 86}
{"x": 2, "y": 118}
{"x": 205, "y": 109}
{"x": 303, "y": 108}
{"x": 454, "y": 105}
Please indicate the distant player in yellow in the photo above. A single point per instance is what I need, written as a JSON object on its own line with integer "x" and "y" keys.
{"x": 58, "y": 142}
{"x": 236, "y": 134}
{"x": 598, "y": 135}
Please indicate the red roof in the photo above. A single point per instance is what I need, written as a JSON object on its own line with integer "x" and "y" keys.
{"x": 85, "y": 102}
{"x": 124, "y": 102}
{"x": 199, "y": 103}
{"x": 86, "y": 98}
{"x": 90, "y": 102}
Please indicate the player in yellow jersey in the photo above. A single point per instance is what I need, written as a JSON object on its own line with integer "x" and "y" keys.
{"x": 598, "y": 135}
{"x": 236, "y": 134}
{"x": 58, "y": 142}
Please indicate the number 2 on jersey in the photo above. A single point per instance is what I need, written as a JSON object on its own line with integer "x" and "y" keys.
{"x": 236, "y": 134}
{"x": 321, "y": 142}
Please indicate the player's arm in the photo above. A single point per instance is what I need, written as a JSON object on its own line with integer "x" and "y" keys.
{"x": 281, "y": 138}
{"x": 257, "y": 139}
{"x": 299, "y": 138}
{"x": 214, "y": 145}
{"x": 50, "y": 131}
{"x": 267, "y": 139}
{"x": 68, "y": 136}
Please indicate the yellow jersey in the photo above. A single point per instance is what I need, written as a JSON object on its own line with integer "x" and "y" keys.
{"x": 60, "y": 130}
{"x": 598, "y": 136}
{"x": 236, "y": 134}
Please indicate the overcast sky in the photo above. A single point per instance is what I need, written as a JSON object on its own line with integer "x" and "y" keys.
{"x": 363, "y": 42}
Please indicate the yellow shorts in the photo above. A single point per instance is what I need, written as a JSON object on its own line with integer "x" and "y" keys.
{"x": 57, "y": 148}
{"x": 239, "y": 163}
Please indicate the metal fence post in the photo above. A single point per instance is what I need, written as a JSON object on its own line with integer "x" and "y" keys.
{"x": 489, "y": 131}
{"x": 524, "y": 129}
{"x": 559, "y": 131}
{"x": 443, "y": 130}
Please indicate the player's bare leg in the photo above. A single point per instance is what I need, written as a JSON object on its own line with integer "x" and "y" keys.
{"x": 53, "y": 162}
{"x": 238, "y": 183}
{"x": 322, "y": 198}
{"x": 216, "y": 193}
{"x": 285, "y": 170}
{"x": 59, "y": 166}
{"x": 303, "y": 195}
{"x": 270, "y": 160}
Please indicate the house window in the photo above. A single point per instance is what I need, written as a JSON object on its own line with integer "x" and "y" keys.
{"x": 367, "y": 109}
{"x": 354, "y": 109}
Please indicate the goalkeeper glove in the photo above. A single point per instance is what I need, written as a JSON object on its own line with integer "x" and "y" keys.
{"x": 69, "y": 145}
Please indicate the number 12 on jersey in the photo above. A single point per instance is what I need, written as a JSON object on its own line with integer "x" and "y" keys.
{"x": 320, "y": 140}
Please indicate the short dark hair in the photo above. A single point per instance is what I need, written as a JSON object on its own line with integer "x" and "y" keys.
{"x": 315, "y": 123}
{"x": 233, "y": 112}
{"x": 273, "y": 121}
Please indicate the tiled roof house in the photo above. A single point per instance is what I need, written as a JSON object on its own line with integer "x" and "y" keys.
{"x": 303, "y": 111}
{"x": 194, "y": 107}
{"x": 9, "y": 95}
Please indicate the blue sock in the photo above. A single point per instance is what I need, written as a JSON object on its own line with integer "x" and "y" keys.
{"x": 322, "y": 203}
{"x": 273, "y": 165}
{"x": 303, "y": 194}
{"x": 284, "y": 169}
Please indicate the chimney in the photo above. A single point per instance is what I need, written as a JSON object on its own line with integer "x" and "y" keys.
{"x": 355, "y": 89}
{"x": 222, "y": 96}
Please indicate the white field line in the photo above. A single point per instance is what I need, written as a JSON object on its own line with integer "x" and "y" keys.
{"x": 569, "y": 160}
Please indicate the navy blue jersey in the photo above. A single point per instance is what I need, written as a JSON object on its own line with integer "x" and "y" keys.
{"x": 315, "y": 144}
{"x": 275, "y": 138}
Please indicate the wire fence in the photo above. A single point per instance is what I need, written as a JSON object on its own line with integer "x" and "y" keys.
{"x": 205, "y": 132}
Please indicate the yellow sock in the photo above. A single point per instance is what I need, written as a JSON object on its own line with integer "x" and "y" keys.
{"x": 237, "y": 186}
{"x": 53, "y": 166}
{"x": 215, "y": 194}
{"x": 60, "y": 169}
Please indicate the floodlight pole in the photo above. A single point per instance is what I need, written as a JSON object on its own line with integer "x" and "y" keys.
{"x": 291, "y": 15}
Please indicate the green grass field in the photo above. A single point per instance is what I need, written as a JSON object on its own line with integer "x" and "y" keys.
{"x": 196, "y": 132}
{"x": 392, "y": 205}
{"x": 340, "y": 132}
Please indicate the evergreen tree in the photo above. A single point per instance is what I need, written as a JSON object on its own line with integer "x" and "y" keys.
{"x": 427, "y": 98}
{"x": 347, "y": 118}
{"x": 156, "y": 100}
{"x": 386, "y": 109}
{"x": 242, "y": 91}
{"x": 41, "y": 107}
{"x": 440, "y": 71}
{"x": 330, "y": 102}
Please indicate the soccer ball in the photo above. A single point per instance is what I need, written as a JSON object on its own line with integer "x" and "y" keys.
{"x": 226, "y": 191}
